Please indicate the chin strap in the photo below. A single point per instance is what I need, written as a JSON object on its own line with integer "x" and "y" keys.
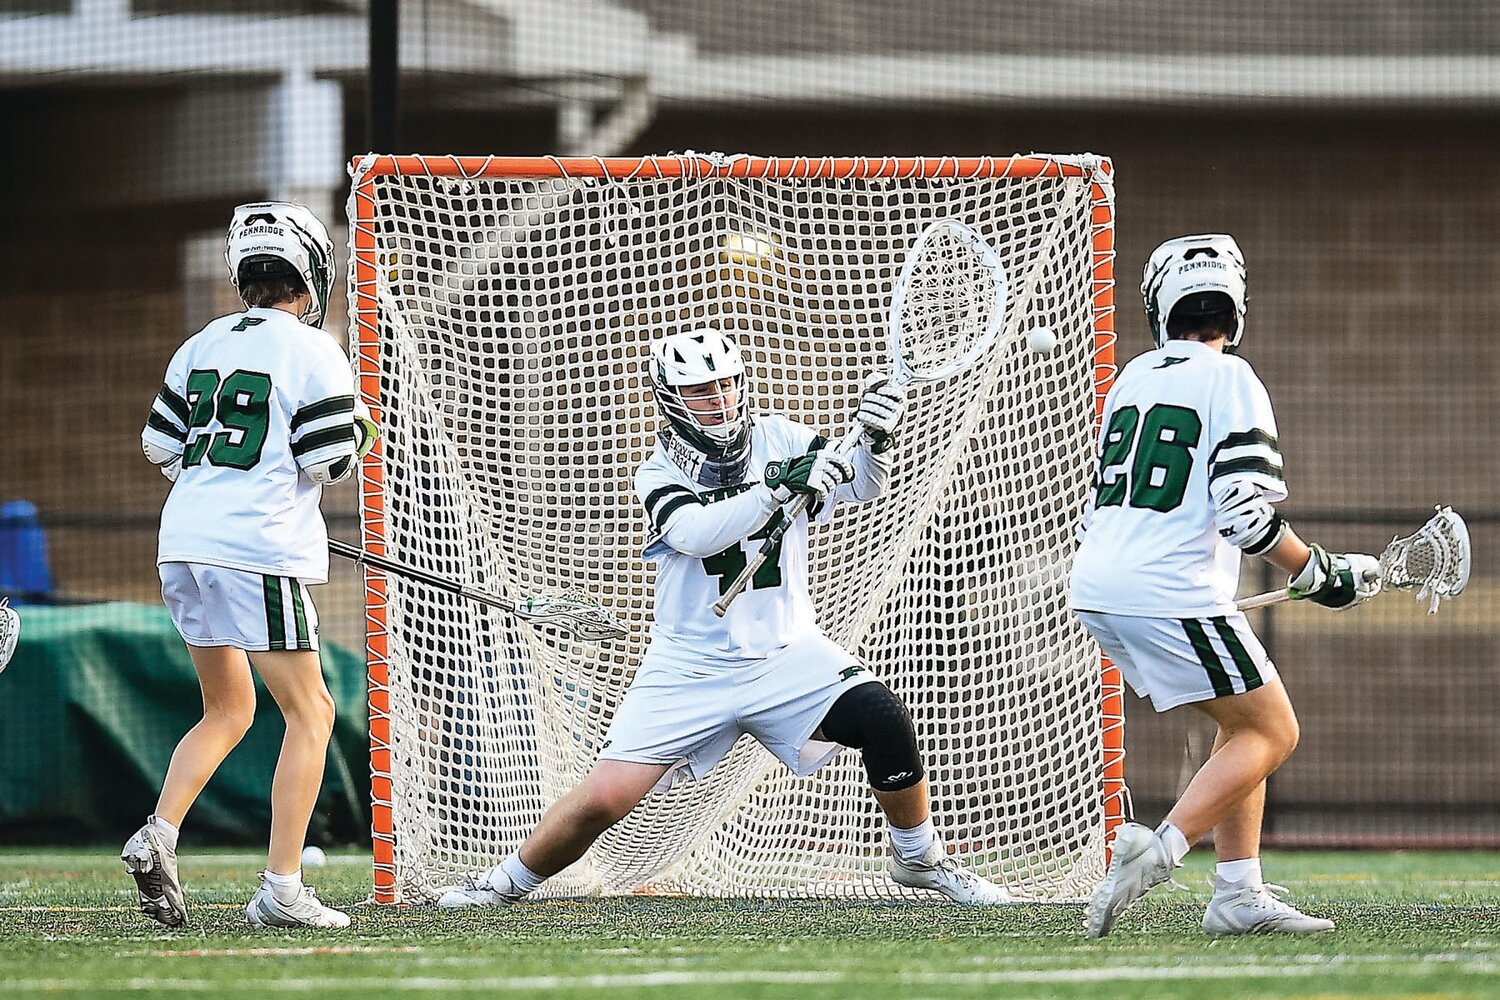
{"x": 711, "y": 471}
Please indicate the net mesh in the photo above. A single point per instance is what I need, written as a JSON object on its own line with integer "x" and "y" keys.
{"x": 515, "y": 314}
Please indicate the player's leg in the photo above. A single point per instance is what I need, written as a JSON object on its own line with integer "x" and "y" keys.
{"x": 605, "y": 796}
{"x": 150, "y": 855}
{"x": 1242, "y": 902}
{"x": 870, "y": 718}
{"x": 673, "y": 719}
{"x": 295, "y": 680}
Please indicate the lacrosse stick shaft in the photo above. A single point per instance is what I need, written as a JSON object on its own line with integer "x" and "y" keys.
{"x": 790, "y": 513}
{"x": 1265, "y": 600}
{"x": 385, "y": 565}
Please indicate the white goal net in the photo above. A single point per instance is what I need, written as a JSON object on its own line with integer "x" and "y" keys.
{"x": 503, "y": 313}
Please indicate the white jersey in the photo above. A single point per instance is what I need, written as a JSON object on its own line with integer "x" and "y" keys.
{"x": 248, "y": 402}
{"x": 702, "y": 538}
{"x": 1180, "y": 422}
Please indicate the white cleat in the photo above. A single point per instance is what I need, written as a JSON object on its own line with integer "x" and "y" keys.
{"x": 1140, "y": 861}
{"x": 1258, "y": 910}
{"x": 265, "y": 910}
{"x": 940, "y": 873}
{"x": 491, "y": 888}
{"x": 153, "y": 865}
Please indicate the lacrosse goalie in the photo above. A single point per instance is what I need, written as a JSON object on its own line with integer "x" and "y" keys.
{"x": 715, "y": 484}
{"x": 256, "y": 414}
{"x": 1189, "y": 472}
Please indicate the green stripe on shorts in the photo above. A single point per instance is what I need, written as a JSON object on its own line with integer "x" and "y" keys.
{"x": 1242, "y": 660}
{"x": 1217, "y": 675}
{"x": 303, "y": 642}
{"x": 275, "y": 624}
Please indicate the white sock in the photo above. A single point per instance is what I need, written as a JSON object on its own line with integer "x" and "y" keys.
{"x": 286, "y": 888}
{"x": 167, "y": 830}
{"x": 1177, "y": 844}
{"x": 1244, "y": 873}
{"x": 912, "y": 844}
{"x": 524, "y": 879}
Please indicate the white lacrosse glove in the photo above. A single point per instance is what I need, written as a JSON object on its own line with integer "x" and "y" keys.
{"x": 880, "y": 410}
{"x": 829, "y": 471}
{"x": 1336, "y": 580}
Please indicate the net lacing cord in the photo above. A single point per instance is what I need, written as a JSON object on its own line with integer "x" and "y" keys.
{"x": 1434, "y": 558}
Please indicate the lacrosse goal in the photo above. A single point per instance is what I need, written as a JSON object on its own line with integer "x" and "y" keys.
{"x": 503, "y": 309}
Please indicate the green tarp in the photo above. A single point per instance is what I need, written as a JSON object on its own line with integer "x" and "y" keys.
{"x": 91, "y": 708}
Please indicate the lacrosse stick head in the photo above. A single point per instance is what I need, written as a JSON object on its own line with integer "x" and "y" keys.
{"x": 574, "y": 614}
{"x": 948, "y": 303}
{"x": 10, "y": 631}
{"x": 1434, "y": 559}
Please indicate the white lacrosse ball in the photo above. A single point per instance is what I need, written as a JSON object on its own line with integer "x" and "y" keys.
{"x": 313, "y": 857}
{"x": 1042, "y": 340}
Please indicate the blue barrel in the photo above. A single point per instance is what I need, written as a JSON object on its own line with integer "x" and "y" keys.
{"x": 24, "y": 572}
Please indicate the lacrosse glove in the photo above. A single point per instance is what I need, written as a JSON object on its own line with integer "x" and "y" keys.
{"x": 1335, "y": 580}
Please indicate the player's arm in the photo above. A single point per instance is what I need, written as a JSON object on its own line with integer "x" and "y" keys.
{"x": 1246, "y": 482}
{"x": 165, "y": 434}
{"x": 329, "y": 429}
{"x": 881, "y": 407}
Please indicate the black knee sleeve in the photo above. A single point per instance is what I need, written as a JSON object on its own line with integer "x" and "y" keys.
{"x": 871, "y": 719}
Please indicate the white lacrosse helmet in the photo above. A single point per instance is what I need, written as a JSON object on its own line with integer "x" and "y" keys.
{"x": 1193, "y": 275}
{"x": 272, "y": 239}
{"x": 695, "y": 357}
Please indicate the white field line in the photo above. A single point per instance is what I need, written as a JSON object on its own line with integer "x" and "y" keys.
{"x": 57, "y": 859}
{"x": 1333, "y": 967}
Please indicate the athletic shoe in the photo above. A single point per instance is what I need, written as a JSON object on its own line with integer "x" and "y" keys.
{"x": 492, "y": 888}
{"x": 1258, "y": 910}
{"x": 153, "y": 865}
{"x": 265, "y": 910}
{"x": 1140, "y": 861}
{"x": 936, "y": 871}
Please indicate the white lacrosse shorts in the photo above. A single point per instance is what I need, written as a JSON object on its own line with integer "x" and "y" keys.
{"x": 1177, "y": 661}
{"x": 214, "y": 606}
{"x": 687, "y": 712}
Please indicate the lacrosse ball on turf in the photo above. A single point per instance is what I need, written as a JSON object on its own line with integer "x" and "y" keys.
{"x": 313, "y": 857}
{"x": 1041, "y": 340}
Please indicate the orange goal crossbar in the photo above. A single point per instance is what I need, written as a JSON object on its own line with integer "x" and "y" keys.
{"x": 365, "y": 342}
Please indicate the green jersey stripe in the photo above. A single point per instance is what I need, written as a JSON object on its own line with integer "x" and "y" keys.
{"x": 1235, "y": 465}
{"x": 1217, "y": 675}
{"x": 162, "y": 425}
{"x": 175, "y": 403}
{"x": 317, "y": 440}
{"x": 275, "y": 622}
{"x": 1246, "y": 439}
{"x": 660, "y": 519}
{"x": 657, "y": 495}
{"x": 332, "y": 406}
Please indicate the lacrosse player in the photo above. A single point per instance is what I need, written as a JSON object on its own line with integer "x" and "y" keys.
{"x": 1189, "y": 472}
{"x": 714, "y": 486}
{"x": 256, "y": 415}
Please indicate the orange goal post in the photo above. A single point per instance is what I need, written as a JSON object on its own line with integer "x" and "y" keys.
{"x": 502, "y": 312}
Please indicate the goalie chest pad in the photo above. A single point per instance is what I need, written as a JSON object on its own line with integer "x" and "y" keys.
{"x": 1178, "y": 419}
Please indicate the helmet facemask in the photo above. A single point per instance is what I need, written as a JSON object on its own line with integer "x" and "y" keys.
{"x": 698, "y": 378}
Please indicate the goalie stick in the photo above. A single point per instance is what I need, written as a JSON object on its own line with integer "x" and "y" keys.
{"x": 10, "y": 631}
{"x": 945, "y": 313}
{"x": 1433, "y": 560}
{"x": 575, "y": 615}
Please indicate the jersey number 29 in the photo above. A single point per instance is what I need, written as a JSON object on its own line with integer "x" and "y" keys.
{"x": 240, "y": 404}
